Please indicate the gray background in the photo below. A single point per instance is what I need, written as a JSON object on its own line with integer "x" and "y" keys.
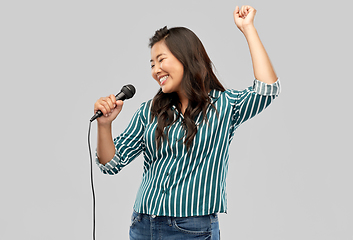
{"x": 290, "y": 172}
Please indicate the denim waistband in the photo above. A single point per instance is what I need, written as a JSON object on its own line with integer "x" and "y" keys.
{"x": 213, "y": 217}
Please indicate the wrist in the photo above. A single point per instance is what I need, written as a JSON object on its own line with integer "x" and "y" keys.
{"x": 248, "y": 31}
{"x": 107, "y": 126}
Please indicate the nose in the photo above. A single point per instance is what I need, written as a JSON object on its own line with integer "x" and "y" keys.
{"x": 157, "y": 69}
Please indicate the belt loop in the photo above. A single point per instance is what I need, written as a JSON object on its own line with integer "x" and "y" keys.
{"x": 169, "y": 221}
{"x": 214, "y": 217}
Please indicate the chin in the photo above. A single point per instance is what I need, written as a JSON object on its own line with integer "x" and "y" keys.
{"x": 166, "y": 90}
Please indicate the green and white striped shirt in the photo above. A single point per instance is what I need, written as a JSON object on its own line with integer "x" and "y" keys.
{"x": 179, "y": 184}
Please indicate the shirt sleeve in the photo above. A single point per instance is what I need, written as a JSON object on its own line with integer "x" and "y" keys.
{"x": 128, "y": 145}
{"x": 251, "y": 101}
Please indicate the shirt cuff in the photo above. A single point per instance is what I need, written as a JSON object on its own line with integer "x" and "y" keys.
{"x": 110, "y": 167}
{"x": 267, "y": 89}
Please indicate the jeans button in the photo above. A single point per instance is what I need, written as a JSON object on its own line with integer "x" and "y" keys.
{"x": 153, "y": 216}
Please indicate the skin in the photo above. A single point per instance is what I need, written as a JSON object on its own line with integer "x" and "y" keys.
{"x": 164, "y": 63}
{"x": 263, "y": 70}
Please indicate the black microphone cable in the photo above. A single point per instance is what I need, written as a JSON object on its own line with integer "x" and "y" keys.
{"x": 127, "y": 91}
{"x": 92, "y": 186}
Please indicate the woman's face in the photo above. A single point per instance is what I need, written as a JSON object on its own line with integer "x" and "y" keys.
{"x": 166, "y": 69}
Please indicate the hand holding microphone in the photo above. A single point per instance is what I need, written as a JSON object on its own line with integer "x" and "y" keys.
{"x": 110, "y": 107}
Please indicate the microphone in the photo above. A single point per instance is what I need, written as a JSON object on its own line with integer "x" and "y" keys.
{"x": 128, "y": 91}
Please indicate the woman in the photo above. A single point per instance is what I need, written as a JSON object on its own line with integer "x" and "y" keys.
{"x": 184, "y": 133}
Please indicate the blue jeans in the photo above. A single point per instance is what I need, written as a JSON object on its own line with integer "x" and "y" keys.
{"x": 145, "y": 227}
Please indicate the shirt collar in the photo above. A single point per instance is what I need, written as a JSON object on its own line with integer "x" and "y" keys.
{"x": 214, "y": 95}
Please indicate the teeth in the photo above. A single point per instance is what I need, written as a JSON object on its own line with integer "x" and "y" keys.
{"x": 163, "y": 78}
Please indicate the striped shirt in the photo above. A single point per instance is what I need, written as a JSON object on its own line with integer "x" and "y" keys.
{"x": 181, "y": 184}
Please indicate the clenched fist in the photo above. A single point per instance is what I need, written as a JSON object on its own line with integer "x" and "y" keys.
{"x": 109, "y": 107}
{"x": 244, "y": 17}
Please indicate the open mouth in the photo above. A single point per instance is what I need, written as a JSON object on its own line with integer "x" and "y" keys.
{"x": 163, "y": 79}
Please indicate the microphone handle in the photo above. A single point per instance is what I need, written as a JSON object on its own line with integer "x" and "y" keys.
{"x": 119, "y": 96}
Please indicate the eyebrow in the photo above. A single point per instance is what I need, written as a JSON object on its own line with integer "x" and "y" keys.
{"x": 158, "y": 56}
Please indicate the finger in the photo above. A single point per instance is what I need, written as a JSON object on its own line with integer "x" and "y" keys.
{"x": 252, "y": 10}
{"x": 99, "y": 106}
{"x": 117, "y": 109}
{"x": 119, "y": 105}
{"x": 113, "y": 99}
{"x": 236, "y": 14}
{"x": 236, "y": 11}
{"x": 105, "y": 107}
{"x": 109, "y": 104}
{"x": 247, "y": 10}
{"x": 241, "y": 12}
{"x": 110, "y": 100}
{"x": 244, "y": 11}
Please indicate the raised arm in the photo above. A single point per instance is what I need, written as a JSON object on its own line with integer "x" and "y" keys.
{"x": 263, "y": 70}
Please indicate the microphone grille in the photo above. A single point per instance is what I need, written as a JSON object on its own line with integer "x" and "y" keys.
{"x": 129, "y": 91}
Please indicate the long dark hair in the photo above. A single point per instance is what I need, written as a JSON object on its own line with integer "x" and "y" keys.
{"x": 198, "y": 79}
